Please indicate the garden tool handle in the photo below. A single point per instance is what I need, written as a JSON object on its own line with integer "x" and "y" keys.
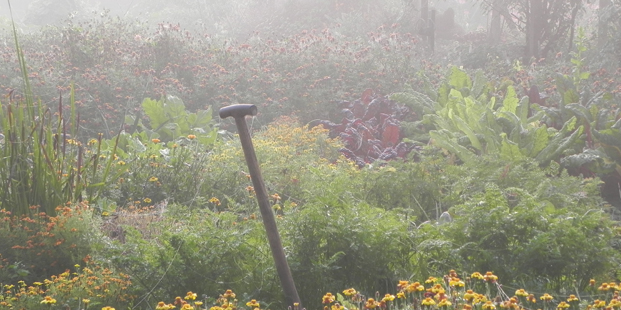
{"x": 239, "y": 113}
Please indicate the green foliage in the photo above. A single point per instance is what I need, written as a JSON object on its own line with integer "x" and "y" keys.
{"x": 38, "y": 246}
{"x": 527, "y": 241}
{"x": 169, "y": 120}
{"x": 343, "y": 245}
{"x": 470, "y": 123}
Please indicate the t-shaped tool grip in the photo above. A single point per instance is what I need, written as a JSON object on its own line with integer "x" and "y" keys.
{"x": 238, "y": 110}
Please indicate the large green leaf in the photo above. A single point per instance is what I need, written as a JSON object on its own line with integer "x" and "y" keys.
{"x": 510, "y": 103}
{"x": 443, "y": 139}
{"x": 459, "y": 79}
{"x": 510, "y": 151}
{"x": 154, "y": 109}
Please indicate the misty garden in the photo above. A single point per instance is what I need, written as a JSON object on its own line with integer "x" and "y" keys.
{"x": 413, "y": 154}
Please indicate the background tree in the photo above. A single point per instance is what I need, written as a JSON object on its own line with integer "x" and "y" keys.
{"x": 547, "y": 24}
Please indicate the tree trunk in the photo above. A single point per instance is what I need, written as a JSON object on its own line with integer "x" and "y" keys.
{"x": 602, "y": 24}
{"x": 495, "y": 27}
{"x": 424, "y": 16}
{"x": 533, "y": 29}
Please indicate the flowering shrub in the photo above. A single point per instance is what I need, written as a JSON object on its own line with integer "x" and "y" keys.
{"x": 116, "y": 63}
{"x": 89, "y": 286}
{"x": 41, "y": 245}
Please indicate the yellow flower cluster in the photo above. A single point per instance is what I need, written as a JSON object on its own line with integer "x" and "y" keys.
{"x": 452, "y": 293}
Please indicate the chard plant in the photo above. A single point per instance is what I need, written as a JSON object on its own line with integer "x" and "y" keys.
{"x": 469, "y": 122}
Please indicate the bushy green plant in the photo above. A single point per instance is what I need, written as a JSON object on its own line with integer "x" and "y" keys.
{"x": 38, "y": 246}
{"x": 469, "y": 122}
{"x": 90, "y": 285}
{"x": 342, "y": 245}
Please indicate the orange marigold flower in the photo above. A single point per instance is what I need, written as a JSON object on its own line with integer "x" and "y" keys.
{"x": 229, "y": 293}
{"x": 402, "y": 284}
{"x": 191, "y": 137}
{"x": 371, "y": 304}
{"x": 490, "y": 277}
{"x": 327, "y": 298}
{"x": 155, "y": 140}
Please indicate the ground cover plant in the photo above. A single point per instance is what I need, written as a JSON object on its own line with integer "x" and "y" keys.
{"x": 123, "y": 191}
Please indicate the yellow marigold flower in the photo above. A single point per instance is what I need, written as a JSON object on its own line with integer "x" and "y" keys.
{"x": 444, "y": 303}
{"x": 187, "y": 307}
{"x": 349, "y": 292}
{"x": 198, "y": 303}
{"x": 215, "y": 308}
{"x": 477, "y": 275}
{"x": 572, "y": 298}
{"x": 92, "y": 141}
{"x": 438, "y": 289}
{"x": 337, "y": 306}
{"x": 148, "y": 200}
{"x": 253, "y": 303}
{"x": 86, "y": 301}
{"x": 431, "y": 280}
{"x": 562, "y": 305}
{"x": 615, "y": 304}
{"x": 38, "y": 283}
{"x": 488, "y": 305}
{"x": 414, "y": 287}
{"x": 153, "y": 179}
{"x": 599, "y": 304}
{"x": 400, "y": 295}
{"x": 490, "y": 277}
{"x": 161, "y": 306}
{"x": 229, "y": 293}
{"x": 371, "y": 304}
{"x": 456, "y": 282}
{"x": 469, "y": 295}
{"x": 121, "y": 163}
{"x": 592, "y": 282}
{"x": 604, "y": 287}
{"x": 189, "y": 295}
{"x": 191, "y": 137}
{"x": 428, "y": 302}
{"x": 327, "y": 298}
{"x": 388, "y": 297}
{"x": 521, "y": 293}
{"x": 107, "y": 308}
{"x": 546, "y": 297}
{"x": 48, "y": 300}
{"x": 531, "y": 298}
